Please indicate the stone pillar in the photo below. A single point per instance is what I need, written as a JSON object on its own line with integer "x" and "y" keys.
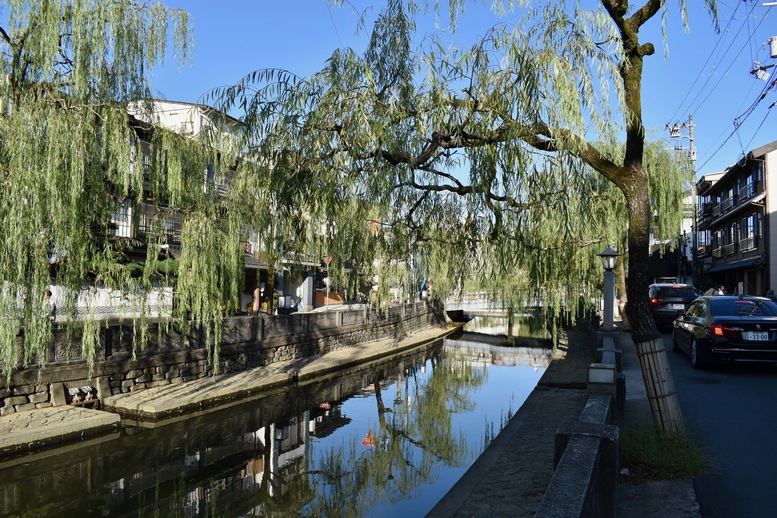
{"x": 308, "y": 291}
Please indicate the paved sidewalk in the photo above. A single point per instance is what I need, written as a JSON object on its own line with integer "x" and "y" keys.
{"x": 35, "y": 429}
{"x": 510, "y": 477}
{"x": 670, "y": 498}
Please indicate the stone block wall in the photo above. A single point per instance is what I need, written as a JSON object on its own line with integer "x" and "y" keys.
{"x": 170, "y": 357}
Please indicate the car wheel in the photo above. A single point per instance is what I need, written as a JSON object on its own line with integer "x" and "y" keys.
{"x": 696, "y": 361}
{"x": 675, "y": 347}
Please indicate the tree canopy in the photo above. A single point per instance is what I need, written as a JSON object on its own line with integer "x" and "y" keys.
{"x": 69, "y": 70}
{"x": 515, "y": 160}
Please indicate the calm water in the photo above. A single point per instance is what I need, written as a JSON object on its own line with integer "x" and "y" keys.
{"x": 389, "y": 440}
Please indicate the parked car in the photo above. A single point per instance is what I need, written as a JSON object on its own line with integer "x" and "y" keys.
{"x": 727, "y": 327}
{"x": 667, "y": 299}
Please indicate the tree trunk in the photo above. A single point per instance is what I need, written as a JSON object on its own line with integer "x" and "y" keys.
{"x": 659, "y": 383}
{"x": 660, "y": 386}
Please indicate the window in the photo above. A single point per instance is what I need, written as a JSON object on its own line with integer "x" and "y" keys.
{"x": 746, "y": 228}
{"x": 743, "y": 307}
{"x": 696, "y": 309}
{"x": 122, "y": 219}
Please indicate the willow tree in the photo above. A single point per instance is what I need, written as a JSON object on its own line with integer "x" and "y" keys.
{"x": 70, "y": 155}
{"x": 481, "y": 156}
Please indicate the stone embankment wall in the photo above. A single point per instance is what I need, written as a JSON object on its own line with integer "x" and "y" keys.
{"x": 170, "y": 357}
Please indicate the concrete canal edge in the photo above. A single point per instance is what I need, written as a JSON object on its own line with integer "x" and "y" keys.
{"x": 156, "y": 406}
{"x": 33, "y": 430}
{"x": 50, "y": 428}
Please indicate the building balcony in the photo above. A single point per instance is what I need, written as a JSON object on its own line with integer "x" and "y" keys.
{"x": 155, "y": 221}
{"x": 748, "y": 243}
{"x": 729, "y": 249}
{"x": 747, "y": 192}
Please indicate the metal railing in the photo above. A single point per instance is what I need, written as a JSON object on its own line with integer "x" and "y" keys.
{"x": 748, "y": 243}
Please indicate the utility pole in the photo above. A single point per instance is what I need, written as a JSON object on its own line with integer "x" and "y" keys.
{"x": 676, "y": 133}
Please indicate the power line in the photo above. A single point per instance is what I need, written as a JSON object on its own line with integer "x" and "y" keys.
{"x": 734, "y": 60}
{"x": 738, "y": 121}
{"x": 768, "y": 112}
{"x": 337, "y": 33}
{"x": 704, "y": 66}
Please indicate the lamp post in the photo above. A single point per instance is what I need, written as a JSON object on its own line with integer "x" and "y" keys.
{"x": 609, "y": 258}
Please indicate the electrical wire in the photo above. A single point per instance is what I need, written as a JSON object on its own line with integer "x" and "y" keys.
{"x": 700, "y": 101}
{"x": 768, "y": 112}
{"x": 738, "y": 121}
{"x": 735, "y": 58}
{"x": 704, "y": 66}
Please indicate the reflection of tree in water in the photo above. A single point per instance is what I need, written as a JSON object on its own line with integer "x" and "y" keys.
{"x": 415, "y": 436}
{"x": 528, "y": 324}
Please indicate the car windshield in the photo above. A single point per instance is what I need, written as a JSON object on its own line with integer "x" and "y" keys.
{"x": 743, "y": 308}
{"x": 675, "y": 292}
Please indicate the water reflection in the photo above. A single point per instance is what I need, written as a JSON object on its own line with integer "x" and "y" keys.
{"x": 386, "y": 440}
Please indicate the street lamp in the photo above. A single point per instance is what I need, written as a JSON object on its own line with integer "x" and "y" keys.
{"x": 609, "y": 259}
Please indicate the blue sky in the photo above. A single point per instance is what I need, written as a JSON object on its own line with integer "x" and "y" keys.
{"x": 705, "y": 75}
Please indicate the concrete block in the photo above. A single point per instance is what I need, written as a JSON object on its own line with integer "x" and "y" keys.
{"x": 23, "y": 390}
{"x": 57, "y": 394}
{"x": 598, "y": 409}
{"x": 586, "y": 476}
{"x": 16, "y": 400}
{"x": 25, "y": 407}
{"x": 39, "y": 397}
{"x": 103, "y": 385}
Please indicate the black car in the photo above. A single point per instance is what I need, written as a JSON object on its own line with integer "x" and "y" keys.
{"x": 667, "y": 299}
{"x": 727, "y": 327}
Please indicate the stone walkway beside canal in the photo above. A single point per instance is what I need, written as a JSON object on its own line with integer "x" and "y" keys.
{"x": 510, "y": 477}
{"x": 166, "y": 402}
{"x": 32, "y": 430}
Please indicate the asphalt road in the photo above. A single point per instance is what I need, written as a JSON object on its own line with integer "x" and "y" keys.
{"x": 732, "y": 411}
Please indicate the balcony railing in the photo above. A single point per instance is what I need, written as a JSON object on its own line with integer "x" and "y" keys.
{"x": 748, "y": 191}
{"x": 153, "y": 221}
{"x": 704, "y": 250}
{"x": 748, "y": 243}
{"x": 717, "y": 252}
{"x": 729, "y": 249}
{"x": 727, "y": 204}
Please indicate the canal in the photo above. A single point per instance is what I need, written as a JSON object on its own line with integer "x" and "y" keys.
{"x": 388, "y": 440}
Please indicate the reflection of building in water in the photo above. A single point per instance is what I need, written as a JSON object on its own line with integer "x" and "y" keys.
{"x": 536, "y": 357}
{"x": 326, "y": 419}
{"x": 288, "y": 446}
{"x": 276, "y": 460}
{"x": 250, "y": 459}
